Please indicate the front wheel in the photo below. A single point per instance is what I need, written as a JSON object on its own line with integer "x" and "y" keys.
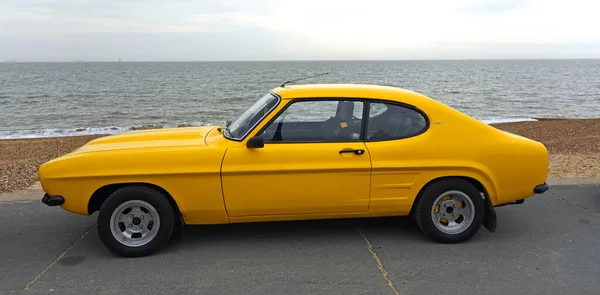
{"x": 450, "y": 210}
{"x": 136, "y": 221}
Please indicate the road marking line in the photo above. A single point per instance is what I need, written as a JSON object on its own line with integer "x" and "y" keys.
{"x": 574, "y": 204}
{"x": 384, "y": 272}
{"x": 54, "y": 262}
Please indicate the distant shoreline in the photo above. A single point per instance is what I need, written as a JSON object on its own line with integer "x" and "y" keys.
{"x": 93, "y": 131}
{"x": 573, "y": 146}
{"x": 147, "y": 127}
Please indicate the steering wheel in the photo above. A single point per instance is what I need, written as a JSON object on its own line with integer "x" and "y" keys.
{"x": 269, "y": 134}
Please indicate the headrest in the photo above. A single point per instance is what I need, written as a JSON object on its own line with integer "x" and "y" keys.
{"x": 345, "y": 109}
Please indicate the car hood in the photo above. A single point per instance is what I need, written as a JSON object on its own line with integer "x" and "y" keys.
{"x": 153, "y": 138}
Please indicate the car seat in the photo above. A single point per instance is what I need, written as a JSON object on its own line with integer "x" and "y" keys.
{"x": 340, "y": 126}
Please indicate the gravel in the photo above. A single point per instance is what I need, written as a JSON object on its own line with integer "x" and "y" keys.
{"x": 20, "y": 158}
{"x": 573, "y": 144}
{"x": 561, "y": 136}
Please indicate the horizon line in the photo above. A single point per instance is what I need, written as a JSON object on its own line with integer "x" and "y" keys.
{"x": 299, "y": 60}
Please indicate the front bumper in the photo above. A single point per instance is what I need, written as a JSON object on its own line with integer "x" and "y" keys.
{"x": 53, "y": 200}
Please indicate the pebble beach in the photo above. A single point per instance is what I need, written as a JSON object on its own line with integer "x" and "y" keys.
{"x": 573, "y": 145}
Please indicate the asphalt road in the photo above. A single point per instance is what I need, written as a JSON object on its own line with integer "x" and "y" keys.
{"x": 548, "y": 245}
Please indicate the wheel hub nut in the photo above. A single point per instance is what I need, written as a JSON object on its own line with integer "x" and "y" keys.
{"x": 137, "y": 221}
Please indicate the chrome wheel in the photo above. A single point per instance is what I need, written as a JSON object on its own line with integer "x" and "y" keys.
{"x": 134, "y": 223}
{"x": 452, "y": 212}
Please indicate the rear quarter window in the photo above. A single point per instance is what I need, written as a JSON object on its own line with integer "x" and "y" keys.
{"x": 389, "y": 121}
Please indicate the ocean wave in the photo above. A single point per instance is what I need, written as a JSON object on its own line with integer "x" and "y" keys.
{"x": 79, "y": 95}
{"x": 497, "y": 120}
{"x": 45, "y": 133}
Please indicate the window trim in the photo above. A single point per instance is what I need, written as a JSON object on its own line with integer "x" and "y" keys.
{"x": 397, "y": 103}
{"x": 324, "y": 98}
{"x": 240, "y": 139}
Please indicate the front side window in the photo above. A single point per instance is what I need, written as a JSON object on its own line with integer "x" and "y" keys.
{"x": 389, "y": 121}
{"x": 321, "y": 120}
{"x": 247, "y": 120}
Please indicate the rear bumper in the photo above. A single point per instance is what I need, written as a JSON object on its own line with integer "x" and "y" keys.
{"x": 53, "y": 200}
{"x": 540, "y": 188}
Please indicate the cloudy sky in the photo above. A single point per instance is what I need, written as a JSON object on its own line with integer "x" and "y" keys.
{"x": 137, "y": 30}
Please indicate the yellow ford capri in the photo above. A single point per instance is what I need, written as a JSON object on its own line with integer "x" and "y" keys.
{"x": 301, "y": 152}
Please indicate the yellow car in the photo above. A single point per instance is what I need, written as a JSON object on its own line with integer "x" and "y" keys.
{"x": 301, "y": 152}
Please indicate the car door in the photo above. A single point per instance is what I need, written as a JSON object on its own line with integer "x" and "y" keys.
{"x": 313, "y": 162}
{"x": 396, "y": 138}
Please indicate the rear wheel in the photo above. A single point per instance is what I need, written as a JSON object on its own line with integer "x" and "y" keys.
{"x": 136, "y": 221}
{"x": 449, "y": 210}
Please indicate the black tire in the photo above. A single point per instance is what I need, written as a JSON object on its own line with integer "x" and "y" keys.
{"x": 425, "y": 202}
{"x": 166, "y": 213}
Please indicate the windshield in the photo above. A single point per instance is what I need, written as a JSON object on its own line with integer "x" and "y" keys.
{"x": 245, "y": 122}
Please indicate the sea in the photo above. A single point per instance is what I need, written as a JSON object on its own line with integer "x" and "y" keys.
{"x": 80, "y": 98}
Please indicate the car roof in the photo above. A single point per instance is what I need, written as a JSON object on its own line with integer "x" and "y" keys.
{"x": 347, "y": 90}
{"x": 427, "y": 104}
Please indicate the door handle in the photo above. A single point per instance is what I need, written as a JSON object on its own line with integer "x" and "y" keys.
{"x": 356, "y": 152}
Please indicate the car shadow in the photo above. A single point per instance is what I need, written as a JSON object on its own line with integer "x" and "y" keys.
{"x": 377, "y": 230}
{"x": 294, "y": 231}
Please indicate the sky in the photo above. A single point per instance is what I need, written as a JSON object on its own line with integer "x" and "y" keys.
{"x": 214, "y": 30}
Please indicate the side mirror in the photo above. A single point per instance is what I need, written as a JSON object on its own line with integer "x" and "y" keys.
{"x": 255, "y": 142}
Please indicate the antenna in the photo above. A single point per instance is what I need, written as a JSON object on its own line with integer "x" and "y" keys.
{"x": 283, "y": 85}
